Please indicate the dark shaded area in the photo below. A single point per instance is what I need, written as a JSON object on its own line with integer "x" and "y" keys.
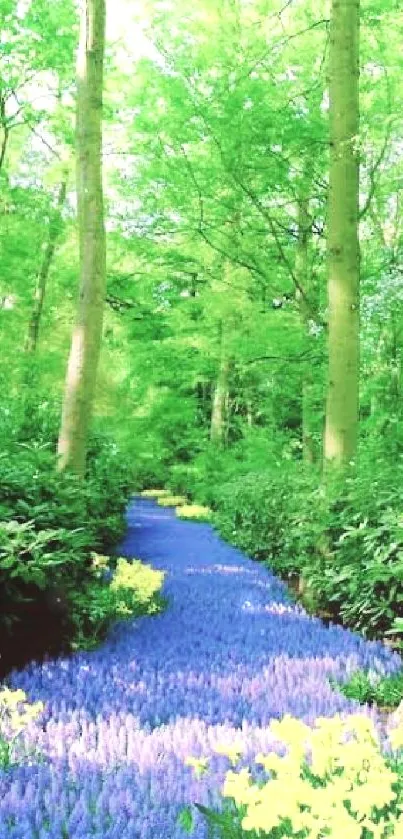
{"x": 41, "y": 628}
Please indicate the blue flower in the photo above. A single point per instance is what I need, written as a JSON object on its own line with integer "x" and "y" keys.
{"x": 230, "y": 654}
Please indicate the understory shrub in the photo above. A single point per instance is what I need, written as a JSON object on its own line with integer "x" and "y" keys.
{"x": 213, "y": 468}
{"x": 358, "y": 573}
{"x": 261, "y": 513}
{"x": 346, "y": 544}
{"x": 31, "y": 489}
{"x": 50, "y": 525}
{"x": 334, "y": 779}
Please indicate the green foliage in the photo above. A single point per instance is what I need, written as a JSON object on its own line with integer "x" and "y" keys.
{"x": 31, "y": 555}
{"x": 226, "y": 823}
{"x": 358, "y": 570}
{"x": 259, "y": 512}
{"x": 384, "y": 691}
{"x": 31, "y": 489}
{"x": 149, "y": 468}
{"x": 50, "y": 525}
{"x": 346, "y": 544}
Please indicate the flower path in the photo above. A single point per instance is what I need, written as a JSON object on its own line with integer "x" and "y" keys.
{"x": 230, "y": 653}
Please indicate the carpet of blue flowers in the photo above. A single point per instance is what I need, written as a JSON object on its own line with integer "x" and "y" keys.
{"x": 230, "y": 653}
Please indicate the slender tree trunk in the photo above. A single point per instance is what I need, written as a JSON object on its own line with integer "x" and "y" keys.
{"x": 341, "y": 428}
{"x": 219, "y": 412}
{"x": 5, "y": 129}
{"x": 87, "y": 334}
{"x": 3, "y": 146}
{"x": 43, "y": 274}
{"x": 249, "y": 412}
{"x": 303, "y": 274}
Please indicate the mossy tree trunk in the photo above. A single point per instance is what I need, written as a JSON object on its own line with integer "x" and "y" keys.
{"x": 341, "y": 426}
{"x": 87, "y": 333}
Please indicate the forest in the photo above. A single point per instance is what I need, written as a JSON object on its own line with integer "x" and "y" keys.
{"x": 201, "y": 381}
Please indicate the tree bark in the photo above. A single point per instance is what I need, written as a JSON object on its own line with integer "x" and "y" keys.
{"x": 5, "y": 129}
{"x": 219, "y": 411}
{"x": 43, "y": 274}
{"x": 341, "y": 427}
{"x": 303, "y": 274}
{"x": 87, "y": 333}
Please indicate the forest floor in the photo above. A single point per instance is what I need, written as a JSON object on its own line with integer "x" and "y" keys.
{"x": 231, "y": 652}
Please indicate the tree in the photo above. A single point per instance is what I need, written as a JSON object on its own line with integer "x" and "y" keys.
{"x": 87, "y": 334}
{"x": 341, "y": 429}
{"x": 55, "y": 225}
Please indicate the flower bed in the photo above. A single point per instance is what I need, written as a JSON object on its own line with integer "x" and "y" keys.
{"x": 231, "y": 653}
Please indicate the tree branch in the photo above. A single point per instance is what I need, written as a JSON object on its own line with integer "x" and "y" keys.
{"x": 243, "y": 263}
{"x": 305, "y": 356}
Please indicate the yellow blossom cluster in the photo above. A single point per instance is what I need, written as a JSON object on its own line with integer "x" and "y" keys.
{"x": 16, "y": 712}
{"x": 333, "y": 781}
{"x": 193, "y": 511}
{"x": 154, "y": 493}
{"x": 171, "y": 500}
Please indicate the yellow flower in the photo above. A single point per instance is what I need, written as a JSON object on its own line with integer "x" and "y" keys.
{"x": 398, "y": 828}
{"x": 355, "y": 780}
{"x": 237, "y": 785}
{"x": 291, "y": 731}
{"x": 11, "y": 698}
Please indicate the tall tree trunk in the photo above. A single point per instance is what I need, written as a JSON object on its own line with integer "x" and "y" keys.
{"x": 87, "y": 334}
{"x": 249, "y": 412}
{"x": 5, "y": 129}
{"x": 43, "y": 274}
{"x": 219, "y": 411}
{"x": 303, "y": 274}
{"x": 341, "y": 428}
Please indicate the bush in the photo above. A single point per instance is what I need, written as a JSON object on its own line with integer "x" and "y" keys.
{"x": 50, "y": 524}
{"x": 261, "y": 514}
{"x": 31, "y": 489}
{"x": 149, "y": 471}
{"x": 359, "y": 573}
{"x": 333, "y": 780}
{"x": 347, "y": 545}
